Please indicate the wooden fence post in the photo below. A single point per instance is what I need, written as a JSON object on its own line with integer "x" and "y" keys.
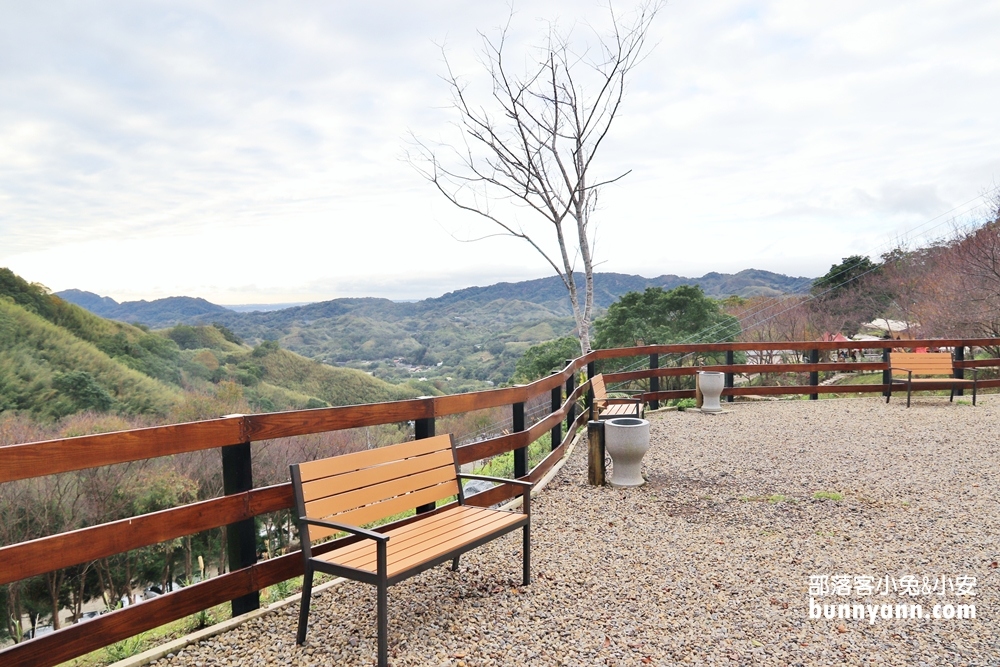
{"x": 424, "y": 428}
{"x": 730, "y": 360}
{"x": 241, "y": 537}
{"x": 814, "y": 375}
{"x": 521, "y": 453}
{"x": 595, "y": 453}
{"x": 654, "y": 381}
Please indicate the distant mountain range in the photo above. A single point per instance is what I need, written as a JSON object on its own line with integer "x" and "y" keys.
{"x": 547, "y": 295}
{"x": 474, "y": 334}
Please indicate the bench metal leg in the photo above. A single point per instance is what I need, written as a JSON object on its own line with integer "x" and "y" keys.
{"x": 454, "y": 564}
{"x": 909, "y": 389}
{"x": 304, "y": 605}
{"x": 951, "y": 398}
{"x": 383, "y": 625}
{"x": 526, "y": 564}
{"x": 973, "y": 394}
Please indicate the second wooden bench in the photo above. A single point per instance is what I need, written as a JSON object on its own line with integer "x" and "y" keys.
{"x": 906, "y": 365}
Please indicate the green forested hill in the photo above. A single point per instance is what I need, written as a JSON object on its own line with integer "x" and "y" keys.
{"x": 57, "y": 359}
{"x": 458, "y": 341}
{"x": 49, "y": 372}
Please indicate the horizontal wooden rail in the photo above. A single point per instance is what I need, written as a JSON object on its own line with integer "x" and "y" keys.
{"x": 747, "y": 369}
{"x": 503, "y": 492}
{"x": 806, "y": 389}
{"x": 47, "y": 554}
{"x": 22, "y": 461}
{"x": 978, "y": 363}
{"x": 792, "y": 346}
{"x": 81, "y": 638}
{"x": 50, "y": 457}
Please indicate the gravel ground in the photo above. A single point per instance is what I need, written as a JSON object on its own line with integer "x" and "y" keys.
{"x": 710, "y": 562}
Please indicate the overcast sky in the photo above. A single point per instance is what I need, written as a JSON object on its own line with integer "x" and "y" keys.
{"x": 251, "y": 152}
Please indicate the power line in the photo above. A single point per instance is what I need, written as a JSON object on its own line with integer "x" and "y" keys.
{"x": 909, "y": 236}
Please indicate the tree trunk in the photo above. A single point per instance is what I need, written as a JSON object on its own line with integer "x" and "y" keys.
{"x": 188, "y": 575}
{"x": 54, "y": 581}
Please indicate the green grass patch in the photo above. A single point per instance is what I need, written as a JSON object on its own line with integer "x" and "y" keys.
{"x": 828, "y": 495}
{"x": 773, "y": 498}
{"x": 155, "y": 637}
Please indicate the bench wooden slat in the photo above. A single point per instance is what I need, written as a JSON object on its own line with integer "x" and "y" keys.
{"x": 337, "y": 465}
{"x": 929, "y": 363}
{"x": 461, "y": 519}
{"x": 426, "y": 545}
{"x": 457, "y": 541}
{"x": 597, "y": 386}
{"x": 452, "y": 517}
{"x": 358, "y": 479}
{"x": 371, "y": 513}
{"x": 332, "y": 505}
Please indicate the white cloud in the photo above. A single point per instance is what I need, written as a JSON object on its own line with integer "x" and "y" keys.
{"x": 232, "y": 149}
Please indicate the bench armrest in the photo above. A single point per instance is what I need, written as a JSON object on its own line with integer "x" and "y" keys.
{"x": 370, "y": 534}
{"x": 498, "y": 480}
{"x": 525, "y": 487}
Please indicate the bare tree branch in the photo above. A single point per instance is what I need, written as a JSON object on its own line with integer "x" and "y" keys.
{"x": 533, "y": 140}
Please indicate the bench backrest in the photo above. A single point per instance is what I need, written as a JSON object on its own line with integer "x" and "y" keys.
{"x": 597, "y": 386}
{"x": 364, "y": 487}
{"x": 926, "y": 363}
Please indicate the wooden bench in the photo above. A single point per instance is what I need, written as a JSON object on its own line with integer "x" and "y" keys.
{"x": 908, "y": 364}
{"x": 343, "y": 493}
{"x": 609, "y": 408}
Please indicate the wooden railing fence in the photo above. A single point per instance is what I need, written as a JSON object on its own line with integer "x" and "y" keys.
{"x": 241, "y": 502}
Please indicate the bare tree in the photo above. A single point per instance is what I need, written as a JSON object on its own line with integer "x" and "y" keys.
{"x": 532, "y": 143}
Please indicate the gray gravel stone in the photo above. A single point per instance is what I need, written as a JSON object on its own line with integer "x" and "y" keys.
{"x": 709, "y": 562}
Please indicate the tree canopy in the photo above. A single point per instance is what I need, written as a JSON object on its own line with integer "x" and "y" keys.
{"x": 841, "y": 276}
{"x": 540, "y": 360}
{"x": 656, "y": 317}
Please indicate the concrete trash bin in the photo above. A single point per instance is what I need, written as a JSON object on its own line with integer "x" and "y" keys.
{"x": 626, "y": 440}
{"x": 711, "y": 384}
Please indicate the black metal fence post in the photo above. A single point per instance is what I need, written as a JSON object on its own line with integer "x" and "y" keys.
{"x": 886, "y": 373}
{"x": 555, "y": 435}
{"x": 241, "y": 537}
{"x": 730, "y": 360}
{"x": 654, "y": 381}
{"x": 814, "y": 375}
{"x": 570, "y": 387}
{"x": 591, "y": 372}
{"x": 424, "y": 428}
{"x": 521, "y": 453}
{"x": 960, "y": 372}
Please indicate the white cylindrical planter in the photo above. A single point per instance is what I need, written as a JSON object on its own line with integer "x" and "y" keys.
{"x": 626, "y": 440}
{"x": 711, "y": 384}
